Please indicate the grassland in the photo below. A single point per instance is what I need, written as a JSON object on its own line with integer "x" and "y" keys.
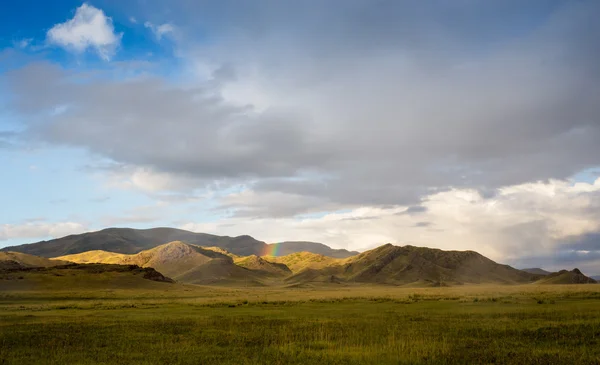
{"x": 185, "y": 324}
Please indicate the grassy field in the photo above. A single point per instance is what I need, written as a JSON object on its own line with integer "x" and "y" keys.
{"x": 177, "y": 324}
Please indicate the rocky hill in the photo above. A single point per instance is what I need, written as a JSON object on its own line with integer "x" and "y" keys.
{"x": 385, "y": 265}
{"x": 191, "y": 264}
{"x": 567, "y": 277}
{"x": 396, "y": 265}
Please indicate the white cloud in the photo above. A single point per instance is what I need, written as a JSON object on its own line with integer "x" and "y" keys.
{"x": 148, "y": 180}
{"x": 525, "y": 220}
{"x": 160, "y": 30}
{"x": 23, "y": 43}
{"x": 40, "y": 230}
{"x": 133, "y": 20}
{"x": 89, "y": 28}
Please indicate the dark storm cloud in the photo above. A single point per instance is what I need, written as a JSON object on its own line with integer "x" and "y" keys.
{"x": 146, "y": 122}
{"x": 582, "y": 251}
{"x": 587, "y": 242}
{"x": 377, "y": 103}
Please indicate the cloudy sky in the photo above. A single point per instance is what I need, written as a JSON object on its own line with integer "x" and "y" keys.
{"x": 451, "y": 124}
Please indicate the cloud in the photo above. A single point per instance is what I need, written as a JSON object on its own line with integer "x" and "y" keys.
{"x": 160, "y": 30}
{"x": 142, "y": 214}
{"x": 373, "y": 112}
{"x": 353, "y": 124}
{"x": 422, "y": 224}
{"x": 23, "y": 43}
{"x": 535, "y": 222}
{"x": 40, "y": 230}
{"x": 90, "y": 28}
{"x": 146, "y": 179}
{"x": 7, "y": 139}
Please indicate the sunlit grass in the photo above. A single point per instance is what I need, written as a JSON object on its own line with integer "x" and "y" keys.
{"x": 345, "y": 325}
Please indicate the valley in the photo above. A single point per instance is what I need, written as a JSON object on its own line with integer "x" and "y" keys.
{"x": 178, "y": 302}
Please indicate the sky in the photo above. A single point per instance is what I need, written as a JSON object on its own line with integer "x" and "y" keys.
{"x": 465, "y": 125}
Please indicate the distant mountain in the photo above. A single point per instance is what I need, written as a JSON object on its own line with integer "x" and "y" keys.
{"x": 191, "y": 264}
{"x": 566, "y": 277}
{"x": 18, "y": 260}
{"x": 537, "y": 271}
{"x": 395, "y": 265}
{"x": 130, "y": 241}
{"x": 289, "y": 247}
{"x": 595, "y": 277}
{"x": 388, "y": 265}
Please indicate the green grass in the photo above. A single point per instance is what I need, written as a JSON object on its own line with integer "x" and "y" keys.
{"x": 200, "y": 325}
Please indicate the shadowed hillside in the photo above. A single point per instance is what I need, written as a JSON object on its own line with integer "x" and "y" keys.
{"x": 81, "y": 276}
{"x": 130, "y": 241}
{"x": 566, "y": 277}
{"x": 537, "y": 271}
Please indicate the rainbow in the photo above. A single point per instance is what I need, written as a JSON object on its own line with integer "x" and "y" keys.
{"x": 271, "y": 249}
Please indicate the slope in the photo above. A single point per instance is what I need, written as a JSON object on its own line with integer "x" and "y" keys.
{"x": 256, "y": 263}
{"x": 390, "y": 264}
{"x": 566, "y": 277}
{"x": 82, "y": 277}
{"x": 299, "y": 261}
{"x": 289, "y": 247}
{"x": 131, "y": 241}
{"x": 15, "y": 260}
{"x": 90, "y": 257}
{"x": 183, "y": 262}
{"x": 537, "y": 271}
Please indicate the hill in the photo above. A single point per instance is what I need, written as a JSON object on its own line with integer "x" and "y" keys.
{"x": 386, "y": 265}
{"x": 537, "y": 271}
{"x": 566, "y": 277}
{"x": 131, "y": 241}
{"x": 81, "y": 276}
{"x": 259, "y": 264}
{"x": 191, "y": 264}
{"x": 396, "y": 265}
{"x": 290, "y": 247}
{"x": 299, "y": 261}
{"x": 17, "y": 260}
{"x": 92, "y": 257}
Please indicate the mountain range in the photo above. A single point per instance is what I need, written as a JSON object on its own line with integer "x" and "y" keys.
{"x": 244, "y": 261}
{"x": 387, "y": 264}
{"x": 130, "y": 241}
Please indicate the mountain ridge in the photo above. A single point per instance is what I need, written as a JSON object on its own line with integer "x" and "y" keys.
{"x": 131, "y": 241}
{"x": 401, "y": 265}
{"x": 537, "y": 271}
{"x": 215, "y": 264}
{"x": 191, "y": 264}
